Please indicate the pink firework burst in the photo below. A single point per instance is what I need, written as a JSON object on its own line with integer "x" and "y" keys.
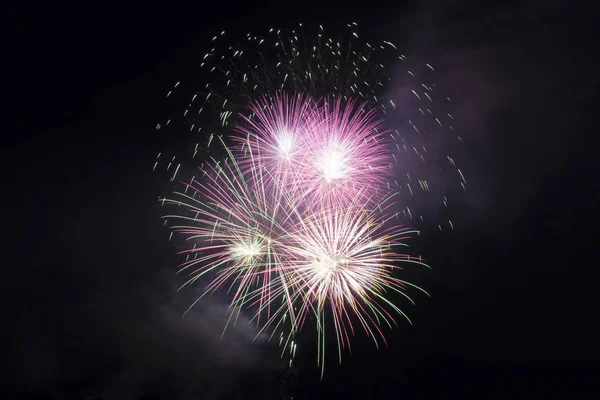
{"x": 274, "y": 135}
{"x": 346, "y": 158}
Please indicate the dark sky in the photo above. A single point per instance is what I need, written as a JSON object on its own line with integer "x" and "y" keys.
{"x": 90, "y": 293}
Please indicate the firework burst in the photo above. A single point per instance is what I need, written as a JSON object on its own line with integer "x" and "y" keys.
{"x": 299, "y": 218}
{"x": 346, "y": 159}
{"x": 274, "y": 136}
{"x": 238, "y": 226}
{"x": 344, "y": 260}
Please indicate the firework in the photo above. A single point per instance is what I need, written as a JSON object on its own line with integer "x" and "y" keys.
{"x": 300, "y": 216}
{"x": 287, "y": 251}
{"x": 346, "y": 159}
{"x": 238, "y": 228}
{"x": 344, "y": 259}
{"x": 275, "y": 135}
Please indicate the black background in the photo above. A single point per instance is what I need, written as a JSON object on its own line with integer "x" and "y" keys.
{"x": 91, "y": 307}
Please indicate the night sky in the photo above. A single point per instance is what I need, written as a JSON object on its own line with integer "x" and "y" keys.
{"x": 90, "y": 298}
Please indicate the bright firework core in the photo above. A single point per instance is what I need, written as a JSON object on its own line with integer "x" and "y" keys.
{"x": 285, "y": 143}
{"x": 247, "y": 249}
{"x": 333, "y": 164}
{"x": 327, "y": 265}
